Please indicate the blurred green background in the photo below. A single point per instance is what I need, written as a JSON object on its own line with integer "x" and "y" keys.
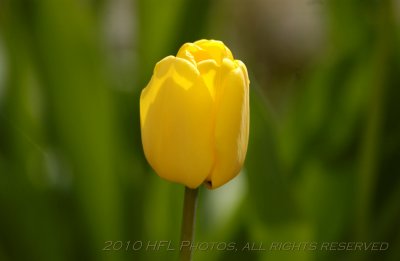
{"x": 324, "y": 141}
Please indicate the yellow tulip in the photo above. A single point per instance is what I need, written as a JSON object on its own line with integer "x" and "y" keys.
{"x": 194, "y": 115}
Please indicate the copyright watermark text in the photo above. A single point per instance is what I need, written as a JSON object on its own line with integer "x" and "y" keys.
{"x": 168, "y": 245}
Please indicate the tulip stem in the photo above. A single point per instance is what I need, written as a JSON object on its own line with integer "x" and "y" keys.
{"x": 188, "y": 221}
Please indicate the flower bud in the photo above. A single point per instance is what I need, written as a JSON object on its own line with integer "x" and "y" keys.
{"x": 194, "y": 115}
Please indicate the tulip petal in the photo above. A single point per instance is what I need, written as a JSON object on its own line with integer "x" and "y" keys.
{"x": 216, "y": 49}
{"x": 211, "y": 75}
{"x": 176, "y": 123}
{"x": 232, "y": 124}
{"x": 205, "y": 50}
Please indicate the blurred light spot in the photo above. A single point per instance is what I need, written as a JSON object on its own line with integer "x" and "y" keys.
{"x": 59, "y": 171}
{"x": 224, "y": 201}
{"x": 119, "y": 32}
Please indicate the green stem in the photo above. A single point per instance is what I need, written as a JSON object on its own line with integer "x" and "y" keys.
{"x": 188, "y": 221}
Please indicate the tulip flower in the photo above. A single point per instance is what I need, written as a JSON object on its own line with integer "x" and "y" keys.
{"x": 194, "y": 115}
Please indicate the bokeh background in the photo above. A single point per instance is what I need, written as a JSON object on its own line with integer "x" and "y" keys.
{"x": 324, "y": 151}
